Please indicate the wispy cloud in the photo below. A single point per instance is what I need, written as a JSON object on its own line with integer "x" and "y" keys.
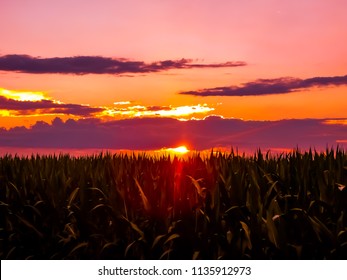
{"x": 122, "y": 102}
{"x": 167, "y": 132}
{"x": 159, "y": 111}
{"x": 270, "y": 86}
{"x": 97, "y": 65}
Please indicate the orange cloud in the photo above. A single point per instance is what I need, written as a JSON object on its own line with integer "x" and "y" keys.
{"x": 23, "y": 95}
{"x": 159, "y": 111}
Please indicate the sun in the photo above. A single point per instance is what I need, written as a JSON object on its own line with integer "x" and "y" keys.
{"x": 181, "y": 150}
{"x": 178, "y": 150}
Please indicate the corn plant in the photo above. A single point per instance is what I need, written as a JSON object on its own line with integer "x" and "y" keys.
{"x": 139, "y": 206}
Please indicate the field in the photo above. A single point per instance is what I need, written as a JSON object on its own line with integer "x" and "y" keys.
{"x": 220, "y": 206}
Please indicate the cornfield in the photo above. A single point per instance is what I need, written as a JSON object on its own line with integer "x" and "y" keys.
{"x": 220, "y": 206}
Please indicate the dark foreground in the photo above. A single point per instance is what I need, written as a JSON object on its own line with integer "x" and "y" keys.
{"x": 225, "y": 206}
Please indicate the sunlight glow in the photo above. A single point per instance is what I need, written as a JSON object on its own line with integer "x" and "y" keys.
{"x": 184, "y": 110}
{"x": 22, "y": 95}
{"x": 164, "y": 111}
{"x": 122, "y": 103}
{"x": 120, "y": 109}
{"x": 4, "y": 113}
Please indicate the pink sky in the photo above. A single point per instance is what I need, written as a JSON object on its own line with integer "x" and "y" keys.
{"x": 303, "y": 40}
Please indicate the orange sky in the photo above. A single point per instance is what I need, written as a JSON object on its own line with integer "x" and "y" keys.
{"x": 268, "y": 60}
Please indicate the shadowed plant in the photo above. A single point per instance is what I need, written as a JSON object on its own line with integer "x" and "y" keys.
{"x": 222, "y": 206}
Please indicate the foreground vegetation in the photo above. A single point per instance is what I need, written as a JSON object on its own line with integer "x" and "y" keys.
{"x": 223, "y": 206}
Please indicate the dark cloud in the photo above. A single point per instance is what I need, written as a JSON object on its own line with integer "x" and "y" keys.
{"x": 46, "y": 107}
{"x": 155, "y": 133}
{"x": 96, "y": 65}
{"x": 270, "y": 86}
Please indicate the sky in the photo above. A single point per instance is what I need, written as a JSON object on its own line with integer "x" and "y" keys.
{"x": 133, "y": 74}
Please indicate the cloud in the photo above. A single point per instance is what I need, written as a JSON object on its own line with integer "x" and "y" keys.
{"x": 97, "y": 65}
{"x": 46, "y": 107}
{"x": 156, "y": 133}
{"x": 162, "y": 111}
{"x": 270, "y": 86}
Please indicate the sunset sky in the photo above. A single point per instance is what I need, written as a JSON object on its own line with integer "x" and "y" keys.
{"x": 134, "y": 74}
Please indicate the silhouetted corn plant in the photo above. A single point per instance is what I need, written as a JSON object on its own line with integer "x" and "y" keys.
{"x": 221, "y": 206}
